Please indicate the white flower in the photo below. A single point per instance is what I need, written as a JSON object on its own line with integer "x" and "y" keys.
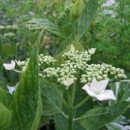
{"x": 9, "y": 66}
{"x": 67, "y": 82}
{"x": 12, "y": 88}
{"x": 97, "y": 90}
{"x": 92, "y": 51}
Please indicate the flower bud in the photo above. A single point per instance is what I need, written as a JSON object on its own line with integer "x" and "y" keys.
{"x": 76, "y": 10}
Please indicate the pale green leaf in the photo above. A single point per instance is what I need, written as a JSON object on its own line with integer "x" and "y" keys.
{"x": 27, "y": 98}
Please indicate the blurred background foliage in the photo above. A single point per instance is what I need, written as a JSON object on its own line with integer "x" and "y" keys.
{"x": 109, "y": 31}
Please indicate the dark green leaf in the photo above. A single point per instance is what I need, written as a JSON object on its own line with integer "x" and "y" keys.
{"x": 5, "y": 98}
{"x": 98, "y": 117}
{"x": 50, "y": 99}
{"x": 61, "y": 123}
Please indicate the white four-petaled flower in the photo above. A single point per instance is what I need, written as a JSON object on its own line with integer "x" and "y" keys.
{"x": 68, "y": 82}
{"x": 97, "y": 90}
{"x": 92, "y": 51}
{"x": 9, "y": 66}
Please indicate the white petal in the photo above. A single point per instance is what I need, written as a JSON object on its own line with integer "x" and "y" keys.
{"x": 9, "y": 66}
{"x": 89, "y": 91}
{"x": 106, "y": 95}
{"x": 93, "y": 84}
{"x": 11, "y": 89}
{"x": 68, "y": 82}
{"x": 102, "y": 84}
{"x": 92, "y": 51}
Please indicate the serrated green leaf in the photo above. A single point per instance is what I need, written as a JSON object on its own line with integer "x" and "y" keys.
{"x": 98, "y": 117}
{"x": 5, "y": 117}
{"x": 90, "y": 8}
{"x": 27, "y": 98}
{"x": 47, "y": 25}
{"x": 50, "y": 99}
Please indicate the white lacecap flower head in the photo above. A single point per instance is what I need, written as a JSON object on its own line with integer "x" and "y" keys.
{"x": 9, "y": 66}
{"x": 97, "y": 89}
{"x": 68, "y": 82}
{"x": 91, "y": 51}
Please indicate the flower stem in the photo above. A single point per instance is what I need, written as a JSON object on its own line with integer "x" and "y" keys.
{"x": 70, "y": 119}
{"x": 18, "y": 71}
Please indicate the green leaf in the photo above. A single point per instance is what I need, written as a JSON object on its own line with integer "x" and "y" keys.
{"x": 27, "y": 98}
{"x": 5, "y": 117}
{"x": 44, "y": 120}
{"x": 98, "y": 117}
{"x": 9, "y": 50}
{"x": 5, "y": 98}
{"x": 50, "y": 99}
{"x": 87, "y": 16}
{"x": 45, "y": 24}
{"x": 61, "y": 123}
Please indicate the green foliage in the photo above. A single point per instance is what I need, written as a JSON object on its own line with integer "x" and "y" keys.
{"x": 87, "y": 16}
{"x": 41, "y": 23}
{"x": 27, "y": 98}
{"x": 97, "y": 117}
{"x": 5, "y": 117}
{"x": 109, "y": 33}
{"x": 65, "y": 23}
{"x": 5, "y": 98}
{"x": 61, "y": 123}
{"x": 76, "y": 10}
{"x": 50, "y": 99}
{"x": 9, "y": 50}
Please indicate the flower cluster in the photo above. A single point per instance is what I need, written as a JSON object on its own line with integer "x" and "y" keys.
{"x": 76, "y": 56}
{"x": 9, "y": 27}
{"x": 22, "y": 64}
{"x": 46, "y": 61}
{"x": 10, "y": 34}
{"x": 76, "y": 67}
{"x": 94, "y": 77}
{"x": 101, "y": 72}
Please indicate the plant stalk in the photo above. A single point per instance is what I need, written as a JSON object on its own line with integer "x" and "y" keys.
{"x": 70, "y": 119}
